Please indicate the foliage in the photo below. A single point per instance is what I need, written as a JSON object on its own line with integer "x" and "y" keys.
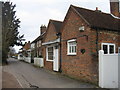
{"x": 10, "y": 25}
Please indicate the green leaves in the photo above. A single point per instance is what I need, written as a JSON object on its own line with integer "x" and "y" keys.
{"x": 10, "y": 26}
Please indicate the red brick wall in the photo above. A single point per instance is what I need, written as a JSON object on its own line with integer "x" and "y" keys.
{"x": 109, "y": 37}
{"x": 80, "y": 66}
{"x": 50, "y": 36}
{"x": 27, "y": 45}
{"x": 83, "y": 66}
{"x": 114, "y": 8}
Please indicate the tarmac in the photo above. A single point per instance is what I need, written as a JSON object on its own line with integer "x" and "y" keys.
{"x": 9, "y": 81}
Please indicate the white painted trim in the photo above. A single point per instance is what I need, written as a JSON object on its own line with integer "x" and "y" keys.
{"x": 72, "y": 54}
{"x": 118, "y": 49}
{"x": 52, "y": 42}
{"x": 115, "y": 16}
{"x": 108, "y": 44}
{"x": 47, "y": 53}
{"x": 72, "y": 40}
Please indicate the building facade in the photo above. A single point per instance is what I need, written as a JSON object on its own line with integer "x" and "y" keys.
{"x": 84, "y": 33}
{"x": 51, "y": 45}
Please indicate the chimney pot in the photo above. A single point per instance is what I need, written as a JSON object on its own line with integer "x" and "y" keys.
{"x": 43, "y": 29}
{"x": 96, "y": 8}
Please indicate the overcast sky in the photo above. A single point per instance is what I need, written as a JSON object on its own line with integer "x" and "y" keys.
{"x": 34, "y": 13}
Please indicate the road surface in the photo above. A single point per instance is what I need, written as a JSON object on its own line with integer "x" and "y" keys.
{"x": 30, "y": 76}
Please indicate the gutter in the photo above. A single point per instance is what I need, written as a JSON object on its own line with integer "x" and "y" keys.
{"x": 97, "y": 41}
{"x": 52, "y": 42}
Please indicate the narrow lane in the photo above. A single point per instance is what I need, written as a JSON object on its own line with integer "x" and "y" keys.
{"x": 28, "y": 76}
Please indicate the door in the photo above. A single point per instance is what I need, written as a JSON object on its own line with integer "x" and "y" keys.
{"x": 55, "y": 61}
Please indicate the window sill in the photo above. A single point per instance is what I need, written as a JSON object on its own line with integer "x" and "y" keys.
{"x": 49, "y": 60}
{"x": 71, "y": 54}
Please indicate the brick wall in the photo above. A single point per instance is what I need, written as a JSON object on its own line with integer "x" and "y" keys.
{"x": 83, "y": 66}
{"x": 109, "y": 37}
{"x": 80, "y": 66}
{"x": 50, "y": 36}
{"x": 27, "y": 45}
{"x": 114, "y": 8}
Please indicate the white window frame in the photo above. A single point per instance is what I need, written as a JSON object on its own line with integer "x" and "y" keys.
{"x": 119, "y": 50}
{"x": 108, "y": 44}
{"x": 47, "y": 53}
{"x": 68, "y": 53}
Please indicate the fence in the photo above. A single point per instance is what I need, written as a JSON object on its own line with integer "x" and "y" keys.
{"x": 39, "y": 62}
{"x": 108, "y": 70}
{"x": 27, "y": 59}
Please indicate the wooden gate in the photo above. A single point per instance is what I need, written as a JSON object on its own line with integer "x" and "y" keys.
{"x": 108, "y": 70}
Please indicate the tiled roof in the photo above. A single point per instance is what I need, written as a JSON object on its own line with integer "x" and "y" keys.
{"x": 57, "y": 24}
{"x": 38, "y": 38}
{"x": 98, "y": 19}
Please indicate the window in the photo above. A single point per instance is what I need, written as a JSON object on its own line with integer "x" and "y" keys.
{"x": 50, "y": 54}
{"x": 108, "y": 48}
{"x": 71, "y": 47}
{"x": 119, "y": 50}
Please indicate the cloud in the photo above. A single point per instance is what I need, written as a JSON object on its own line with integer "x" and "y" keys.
{"x": 33, "y": 13}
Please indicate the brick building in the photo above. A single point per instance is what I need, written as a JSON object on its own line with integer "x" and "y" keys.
{"x": 36, "y": 45}
{"x": 51, "y": 44}
{"x": 26, "y": 49}
{"x": 83, "y": 34}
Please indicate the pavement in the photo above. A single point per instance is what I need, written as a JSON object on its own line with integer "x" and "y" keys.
{"x": 9, "y": 81}
{"x": 23, "y": 75}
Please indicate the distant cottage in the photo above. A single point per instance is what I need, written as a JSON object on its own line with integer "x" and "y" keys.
{"x": 36, "y": 45}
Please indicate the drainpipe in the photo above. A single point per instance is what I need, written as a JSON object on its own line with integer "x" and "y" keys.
{"x": 97, "y": 41}
{"x": 60, "y": 69}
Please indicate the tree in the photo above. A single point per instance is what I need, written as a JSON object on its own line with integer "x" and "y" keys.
{"x": 10, "y": 25}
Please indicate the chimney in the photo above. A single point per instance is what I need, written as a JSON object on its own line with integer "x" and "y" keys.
{"x": 96, "y": 8}
{"x": 43, "y": 29}
{"x": 114, "y": 7}
{"x": 28, "y": 41}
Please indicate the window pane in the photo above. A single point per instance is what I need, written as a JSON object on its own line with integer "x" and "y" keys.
{"x": 50, "y": 57}
{"x": 50, "y": 49}
{"x": 111, "y": 49}
{"x": 75, "y": 49}
{"x": 69, "y": 49}
{"x": 72, "y": 47}
{"x": 105, "y": 49}
{"x": 50, "y": 53}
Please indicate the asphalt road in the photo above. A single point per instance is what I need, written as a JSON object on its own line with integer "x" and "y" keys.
{"x": 30, "y": 76}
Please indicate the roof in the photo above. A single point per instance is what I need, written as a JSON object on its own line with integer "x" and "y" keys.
{"x": 39, "y": 38}
{"x": 57, "y": 24}
{"x": 98, "y": 19}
